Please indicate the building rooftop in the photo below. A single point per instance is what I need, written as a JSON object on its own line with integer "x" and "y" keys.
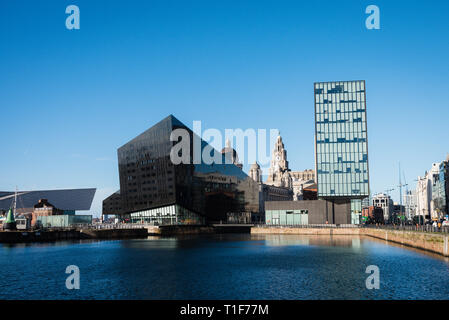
{"x": 65, "y": 199}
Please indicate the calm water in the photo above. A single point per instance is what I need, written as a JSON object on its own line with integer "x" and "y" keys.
{"x": 222, "y": 267}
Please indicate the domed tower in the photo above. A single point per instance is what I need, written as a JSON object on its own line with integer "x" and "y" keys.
{"x": 255, "y": 172}
{"x": 278, "y": 174}
{"x": 231, "y": 155}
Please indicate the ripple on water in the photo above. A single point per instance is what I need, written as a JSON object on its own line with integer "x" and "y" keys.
{"x": 222, "y": 267}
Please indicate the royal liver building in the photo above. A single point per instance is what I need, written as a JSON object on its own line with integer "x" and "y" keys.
{"x": 279, "y": 173}
{"x": 280, "y": 177}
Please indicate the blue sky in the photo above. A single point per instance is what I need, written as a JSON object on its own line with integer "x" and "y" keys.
{"x": 70, "y": 98}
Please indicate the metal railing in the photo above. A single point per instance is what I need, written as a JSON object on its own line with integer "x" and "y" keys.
{"x": 322, "y": 226}
{"x": 117, "y": 226}
{"x": 86, "y": 226}
{"x": 418, "y": 228}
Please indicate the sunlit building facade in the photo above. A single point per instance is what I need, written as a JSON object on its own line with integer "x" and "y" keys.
{"x": 341, "y": 143}
{"x": 154, "y": 190}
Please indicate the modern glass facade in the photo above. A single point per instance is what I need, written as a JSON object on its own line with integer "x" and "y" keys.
{"x": 341, "y": 142}
{"x": 173, "y": 214}
{"x": 64, "y": 221}
{"x": 286, "y": 217}
{"x": 439, "y": 190}
{"x": 341, "y": 139}
{"x": 152, "y": 188}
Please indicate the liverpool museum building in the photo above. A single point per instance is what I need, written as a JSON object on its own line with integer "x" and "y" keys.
{"x": 155, "y": 190}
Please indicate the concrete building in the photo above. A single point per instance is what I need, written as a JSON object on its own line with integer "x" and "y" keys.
{"x": 255, "y": 172}
{"x": 373, "y": 215}
{"x": 423, "y": 198}
{"x": 341, "y": 144}
{"x": 302, "y": 180}
{"x": 434, "y": 175}
{"x": 425, "y": 207}
{"x": 310, "y": 192}
{"x": 398, "y": 213}
{"x": 440, "y": 183}
{"x": 384, "y": 201}
{"x": 444, "y": 180}
{"x": 410, "y": 204}
{"x": 306, "y": 212}
{"x": 267, "y": 192}
{"x": 305, "y": 175}
{"x": 44, "y": 209}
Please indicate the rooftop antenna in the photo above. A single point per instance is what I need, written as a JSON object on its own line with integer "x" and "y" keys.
{"x": 15, "y": 202}
{"x": 400, "y": 190}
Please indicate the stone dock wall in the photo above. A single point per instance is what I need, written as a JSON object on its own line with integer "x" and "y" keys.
{"x": 178, "y": 230}
{"x": 305, "y": 231}
{"x": 432, "y": 242}
{"x": 37, "y": 236}
{"x": 197, "y": 229}
{"x": 114, "y": 233}
{"x": 57, "y": 235}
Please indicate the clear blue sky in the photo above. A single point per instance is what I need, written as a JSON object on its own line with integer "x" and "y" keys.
{"x": 70, "y": 98}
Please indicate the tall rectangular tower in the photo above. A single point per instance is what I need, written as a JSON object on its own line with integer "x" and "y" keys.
{"x": 341, "y": 143}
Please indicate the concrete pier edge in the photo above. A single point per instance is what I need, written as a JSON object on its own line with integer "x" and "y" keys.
{"x": 431, "y": 242}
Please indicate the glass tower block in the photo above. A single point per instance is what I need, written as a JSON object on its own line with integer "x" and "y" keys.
{"x": 341, "y": 142}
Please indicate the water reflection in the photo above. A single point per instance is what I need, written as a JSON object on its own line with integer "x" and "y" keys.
{"x": 230, "y": 266}
{"x": 237, "y": 240}
{"x": 152, "y": 242}
{"x": 309, "y": 240}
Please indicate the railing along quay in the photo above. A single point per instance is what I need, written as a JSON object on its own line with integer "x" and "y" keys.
{"x": 419, "y": 228}
{"x": 96, "y": 227}
{"x": 322, "y": 226}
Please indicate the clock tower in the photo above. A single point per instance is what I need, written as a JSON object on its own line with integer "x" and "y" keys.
{"x": 279, "y": 173}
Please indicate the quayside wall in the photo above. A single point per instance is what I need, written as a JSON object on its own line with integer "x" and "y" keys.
{"x": 432, "y": 242}
{"x": 57, "y": 235}
{"x": 170, "y": 230}
{"x": 304, "y": 230}
{"x": 114, "y": 233}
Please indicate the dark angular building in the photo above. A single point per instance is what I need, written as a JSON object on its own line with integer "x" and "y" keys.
{"x": 155, "y": 190}
{"x": 113, "y": 204}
